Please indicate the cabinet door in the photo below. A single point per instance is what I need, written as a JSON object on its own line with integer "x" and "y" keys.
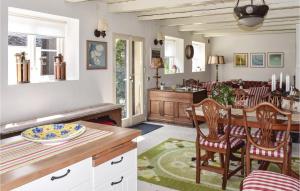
{"x": 168, "y": 109}
{"x": 182, "y": 109}
{"x": 62, "y": 180}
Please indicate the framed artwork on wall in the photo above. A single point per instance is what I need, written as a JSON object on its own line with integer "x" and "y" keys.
{"x": 96, "y": 55}
{"x": 240, "y": 59}
{"x": 257, "y": 60}
{"x": 275, "y": 59}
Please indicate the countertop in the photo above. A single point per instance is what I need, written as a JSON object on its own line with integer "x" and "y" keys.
{"x": 168, "y": 89}
{"x": 29, "y": 173}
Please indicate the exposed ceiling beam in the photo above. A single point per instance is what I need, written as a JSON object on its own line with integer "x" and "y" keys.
{"x": 226, "y": 25}
{"x": 244, "y": 33}
{"x": 143, "y": 5}
{"x": 223, "y": 8}
{"x": 239, "y": 30}
{"x": 290, "y": 13}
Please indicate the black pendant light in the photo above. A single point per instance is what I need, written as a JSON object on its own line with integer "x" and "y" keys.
{"x": 251, "y": 15}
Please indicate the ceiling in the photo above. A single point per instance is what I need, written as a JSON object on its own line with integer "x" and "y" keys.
{"x": 209, "y": 17}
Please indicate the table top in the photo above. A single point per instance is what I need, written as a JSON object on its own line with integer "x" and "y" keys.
{"x": 237, "y": 118}
{"x": 26, "y": 174}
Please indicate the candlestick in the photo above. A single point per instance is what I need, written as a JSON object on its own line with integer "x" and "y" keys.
{"x": 287, "y": 81}
{"x": 280, "y": 83}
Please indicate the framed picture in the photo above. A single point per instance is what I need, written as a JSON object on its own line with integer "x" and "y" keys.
{"x": 240, "y": 59}
{"x": 257, "y": 60}
{"x": 96, "y": 56}
{"x": 275, "y": 59}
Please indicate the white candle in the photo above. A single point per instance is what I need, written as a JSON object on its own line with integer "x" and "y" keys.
{"x": 272, "y": 83}
{"x": 287, "y": 83}
{"x": 280, "y": 83}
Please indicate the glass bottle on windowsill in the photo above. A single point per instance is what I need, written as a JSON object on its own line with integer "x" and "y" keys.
{"x": 23, "y": 68}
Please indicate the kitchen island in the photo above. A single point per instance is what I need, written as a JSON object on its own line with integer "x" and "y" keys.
{"x": 170, "y": 105}
{"x": 107, "y": 162}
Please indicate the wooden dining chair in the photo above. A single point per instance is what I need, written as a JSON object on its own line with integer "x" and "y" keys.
{"x": 271, "y": 143}
{"x": 215, "y": 142}
{"x": 275, "y": 98}
{"x": 241, "y": 98}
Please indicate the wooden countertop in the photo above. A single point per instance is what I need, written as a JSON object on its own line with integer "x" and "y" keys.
{"x": 168, "y": 89}
{"x": 29, "y": 173}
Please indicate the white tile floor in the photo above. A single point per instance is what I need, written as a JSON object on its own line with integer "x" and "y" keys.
{"x": 153, "y": 138}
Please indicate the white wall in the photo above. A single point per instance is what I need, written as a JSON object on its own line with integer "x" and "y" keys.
{"x": 25, "y": 101}
{"x": 229, "y": 45}
{"x": 173, "y": 79}
{"x": 298, "y": 57}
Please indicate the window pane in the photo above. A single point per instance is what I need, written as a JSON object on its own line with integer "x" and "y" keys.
{"x": 17, "y": 39}
{"x": 198, "y": 60}
{"x": 47, "y": 66}
{"x": 46, "y": 42}
{"x": 121, "y": 75}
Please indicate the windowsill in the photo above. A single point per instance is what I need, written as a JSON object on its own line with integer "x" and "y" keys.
{"x": 41, "y": 82}
{"x": 199, "y": 71}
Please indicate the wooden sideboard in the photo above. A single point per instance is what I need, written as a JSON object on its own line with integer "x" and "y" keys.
{"x": 170, "y": 105}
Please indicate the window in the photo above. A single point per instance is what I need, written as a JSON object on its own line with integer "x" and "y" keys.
{"x": 199, "y": 57}
{"x": 42, "y": 37}
{"x": 174, "y": 60}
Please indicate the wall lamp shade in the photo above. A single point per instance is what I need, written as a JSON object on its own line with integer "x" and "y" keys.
{"x": 102, "y": 27}
{"x": 159, "y": 39}
{"x": 251, "y": 15}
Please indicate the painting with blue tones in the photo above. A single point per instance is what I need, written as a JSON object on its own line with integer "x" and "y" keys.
{"x": 257, "y": 60}
{"x": 96, "y": 55}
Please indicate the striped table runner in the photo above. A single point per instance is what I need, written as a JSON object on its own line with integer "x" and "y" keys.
{"x": 21, "y": 153}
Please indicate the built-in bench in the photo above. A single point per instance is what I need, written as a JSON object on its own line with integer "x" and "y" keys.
{"x": 92, "y": 113}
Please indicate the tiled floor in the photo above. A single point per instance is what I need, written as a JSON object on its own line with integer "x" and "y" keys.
{"x": 171, "y": 131}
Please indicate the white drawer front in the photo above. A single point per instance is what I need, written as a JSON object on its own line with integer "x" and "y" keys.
{"x": 122, "y": 182}
{"x": 121, "y": 164}
{"x": 71, "y": 177}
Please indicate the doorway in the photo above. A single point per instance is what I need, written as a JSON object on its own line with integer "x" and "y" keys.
{"x": 128, "y": 56}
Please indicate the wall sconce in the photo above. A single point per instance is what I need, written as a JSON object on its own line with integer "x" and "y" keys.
{"x": 159, "y": 39}
{"x": 101, "y": 28}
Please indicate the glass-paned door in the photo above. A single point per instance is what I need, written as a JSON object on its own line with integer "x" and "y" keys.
{"x": 129, "y": 78}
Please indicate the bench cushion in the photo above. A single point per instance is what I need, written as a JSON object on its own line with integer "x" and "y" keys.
{"x": 56, "y": 118}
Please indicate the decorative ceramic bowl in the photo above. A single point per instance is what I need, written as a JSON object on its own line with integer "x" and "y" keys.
{"x": 54, "y": 133}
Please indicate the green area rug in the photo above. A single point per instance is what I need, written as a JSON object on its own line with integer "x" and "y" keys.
{"x": 169, "y": 164}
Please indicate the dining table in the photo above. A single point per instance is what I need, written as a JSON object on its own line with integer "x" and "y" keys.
{"x": 238, "y": 119}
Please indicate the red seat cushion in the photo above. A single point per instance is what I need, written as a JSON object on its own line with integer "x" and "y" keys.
{"x": 234, "y": 142}
{"x": 279, "y": 135}
{"x": 236, "y": 130}
{"x": 270, "y": 181}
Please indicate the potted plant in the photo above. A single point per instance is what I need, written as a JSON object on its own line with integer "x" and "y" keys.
{"x": 223, "y": 94}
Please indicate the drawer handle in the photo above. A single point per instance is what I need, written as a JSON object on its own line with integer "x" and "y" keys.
{"x": 116, "y": 162}
{"x": 118, "y": 182}
{"x": 58, "y": 177}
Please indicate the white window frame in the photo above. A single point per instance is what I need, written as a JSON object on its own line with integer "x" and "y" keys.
{"x": 67, "y": 43}
{"x": 198, "y": 61}
{"x": 178, "y": 54}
